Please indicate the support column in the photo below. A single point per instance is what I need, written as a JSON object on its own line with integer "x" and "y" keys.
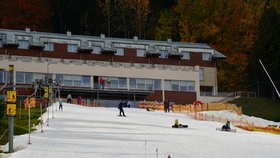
{"x": 163, "y": 90}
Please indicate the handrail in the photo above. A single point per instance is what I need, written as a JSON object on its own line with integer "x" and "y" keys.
{"x": 3, "y": 134}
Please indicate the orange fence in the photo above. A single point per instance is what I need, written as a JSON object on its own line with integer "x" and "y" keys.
{"x": 196, "y": 111}
{"x": 207, "y": 107}
{"x": 151, "y": 105}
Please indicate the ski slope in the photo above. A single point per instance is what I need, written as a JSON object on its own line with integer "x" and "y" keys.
{"x": 97, "y": 132}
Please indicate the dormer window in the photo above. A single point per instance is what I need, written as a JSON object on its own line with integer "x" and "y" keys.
{"x": 120, "y": 52}
{"x": 48, "y": 46}
{"x": 163, "y": 53}
{"x": 96, "y": 50}
{"x": 23, "y": 44}
{"x": 140, "y": 52}
{"x": 206, "y": 56}
{"x": 186, "y": 55}
{"x": 72, "y": 48}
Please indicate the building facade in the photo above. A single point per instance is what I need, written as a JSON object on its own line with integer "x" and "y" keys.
{"x": 110, "y": 68}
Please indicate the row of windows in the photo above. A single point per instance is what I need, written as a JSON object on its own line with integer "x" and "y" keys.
{"x": 174, "y": 85}
{"x": 73, "y": 48}
{"x": 109, "y": 82}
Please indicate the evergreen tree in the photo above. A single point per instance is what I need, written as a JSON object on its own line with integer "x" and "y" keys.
{"x": 267, "y": 49}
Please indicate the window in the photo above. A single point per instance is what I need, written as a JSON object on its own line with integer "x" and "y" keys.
{"x": 191, "y": 86}
{"x": 132, "y": 83}
{"x": 96, "y": 50}
{"x": 149, "y": 85}
{"x": 140, "y": 52}
{"x": 186, "y": 55}
{"x": 19, "y": 77}
{"x": 201, "y": 74}
{"x": 28, "y": 77}
{"x": 77, "y": 80}
{"x": 163, "y": 53}
{"x": 67, "y": 80}
{"x": 59, "y": 78}
{"x": 157, "y": 84}
{"x": 72, "y": 48}
{"x": 120, "y": 51}
{"x": 1, "y": 43}
{"x": 140, "y": 84}
{"x": 2, "y": 77}
{"x": 86, "y": 81}
{"x": 206, "y": 56}
{"x": 23, "y": 44}
{"x": 122, "y": 82}
{"x": 175, "y": 85}
{"x": 48, "y": 46}
{"x": 183, "y": 86}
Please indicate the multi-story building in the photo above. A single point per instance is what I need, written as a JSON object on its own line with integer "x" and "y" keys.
{"x": 130, "y": 68}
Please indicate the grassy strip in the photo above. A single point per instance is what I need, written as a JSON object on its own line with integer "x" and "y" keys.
{"x": 259, "y": 107}
{"x": 20, "y": 124}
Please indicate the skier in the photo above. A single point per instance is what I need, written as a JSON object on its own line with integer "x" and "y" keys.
{"x": 120, "y": 107}
{"x": 69, "y": 98}
{"x": 60, "y": 105}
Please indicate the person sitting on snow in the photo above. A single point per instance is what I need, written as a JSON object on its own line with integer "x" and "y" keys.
{"x": 178, "y": 125}
{"x": 226, "y": 127}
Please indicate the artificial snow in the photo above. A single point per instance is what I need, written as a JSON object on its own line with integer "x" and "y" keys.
{"x": 97, "y": 132}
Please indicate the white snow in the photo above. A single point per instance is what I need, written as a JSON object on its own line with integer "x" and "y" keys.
{"x": 97, "y": 132}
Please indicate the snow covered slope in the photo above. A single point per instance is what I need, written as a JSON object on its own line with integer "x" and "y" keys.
{"x": 90, "y": 132}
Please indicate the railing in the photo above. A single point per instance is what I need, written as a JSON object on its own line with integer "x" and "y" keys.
{"x": 238, "y": 94}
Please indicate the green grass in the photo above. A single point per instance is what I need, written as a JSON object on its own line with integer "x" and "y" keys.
{"x": 259, "y": 107}
{"x": 20, "y": 124}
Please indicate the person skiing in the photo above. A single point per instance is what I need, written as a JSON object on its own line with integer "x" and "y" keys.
{"x": 120, "y": 107}
{"x": 60, "y": 105}
{"x": 69, "y": 98}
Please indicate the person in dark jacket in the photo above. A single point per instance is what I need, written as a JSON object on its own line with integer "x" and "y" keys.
{"x": 120, "y": 107}
{"x": 226, "y": 127}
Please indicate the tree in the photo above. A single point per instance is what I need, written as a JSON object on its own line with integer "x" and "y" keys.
{"x": 168, "y": 26}
{"x": 19, "y": 14}
{"x": 267, "y": 49}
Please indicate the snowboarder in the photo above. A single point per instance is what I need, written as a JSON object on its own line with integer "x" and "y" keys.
{"x": 178, "y": 125}
{"x": 120, "y": 107}
{"x": 226, "y": 127}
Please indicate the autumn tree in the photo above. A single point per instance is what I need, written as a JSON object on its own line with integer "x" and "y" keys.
{"x": 19, "y": 14}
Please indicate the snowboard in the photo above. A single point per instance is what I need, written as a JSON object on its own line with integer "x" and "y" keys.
{"x": 226, "y": 130}
{"x": 181, "y": 126}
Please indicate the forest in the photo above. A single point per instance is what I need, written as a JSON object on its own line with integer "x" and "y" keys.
{"x": 243, "y": 30}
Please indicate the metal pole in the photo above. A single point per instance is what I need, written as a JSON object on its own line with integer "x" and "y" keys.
{"x": 20, "y": 109}
{"x": 29, "y": 131}
{"x": 134, "y": 100}
{"x": 41, "y": 111}
{"x": 269, "y": 78}
{"x": 11, "y": 118}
